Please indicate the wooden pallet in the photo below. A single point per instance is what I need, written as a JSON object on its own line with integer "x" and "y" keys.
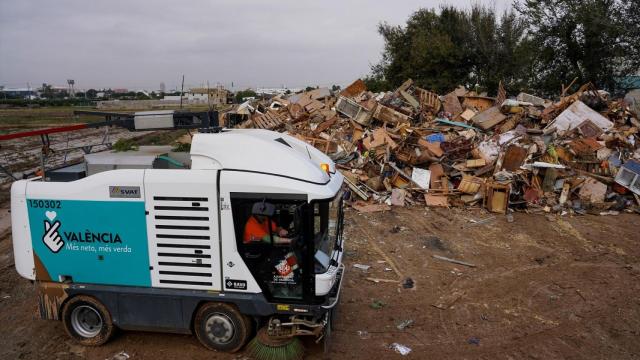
{"x": 270, "y": 120}
{"x": 428, "y": 100}
{"x": 326, "y": 146}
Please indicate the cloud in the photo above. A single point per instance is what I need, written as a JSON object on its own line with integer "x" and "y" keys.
{"x": 138, "y": 44}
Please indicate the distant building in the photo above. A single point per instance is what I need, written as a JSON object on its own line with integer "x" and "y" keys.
{"x": 58, "y": 89}
{"x": 26, "y": 93}
{"x": 214, "y": 96}
{"x": 163, "y": 87}
{"x": 120, "y": 91}
{"x": 276, "y": 91}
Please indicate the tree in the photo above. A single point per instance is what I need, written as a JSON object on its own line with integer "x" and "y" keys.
{"x": 440, "y": 50}
{"x": 376, "y": 83}
{"x": 141, "y": 96}
{"x": 335, "y": 87}
{"x": 92, "y": 93}
{"x": 502, "y": 50}
{"x": 242, "y": 94}
{"x": 591, "y": 40}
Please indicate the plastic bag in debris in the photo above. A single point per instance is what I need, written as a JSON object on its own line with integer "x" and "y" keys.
{"x": 503, "y": 176}
{"x": 437, "y": 137}
{"x": 489, "y": 150}
{"x": 400, "y": 349}
{"x": 507, "y": 137}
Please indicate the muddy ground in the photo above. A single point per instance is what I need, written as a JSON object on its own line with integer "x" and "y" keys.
{"x": 540, "y": 289}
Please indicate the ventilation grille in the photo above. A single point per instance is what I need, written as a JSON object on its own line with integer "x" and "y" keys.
{"x": 183, "y": 241}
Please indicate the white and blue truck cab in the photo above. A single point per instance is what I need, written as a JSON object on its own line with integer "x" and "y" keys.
{"x": 168, "y": 249}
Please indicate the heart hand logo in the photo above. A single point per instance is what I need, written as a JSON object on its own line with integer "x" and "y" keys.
{"x": 50, "y": 215}
{"x": 51, "y": 238}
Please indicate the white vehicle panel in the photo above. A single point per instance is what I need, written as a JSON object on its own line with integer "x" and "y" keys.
{"x": 20, "y": 231}
{"x": 95, "y": 187}
{"x": 182, "y": 228}
{"x": 274, "y": 153}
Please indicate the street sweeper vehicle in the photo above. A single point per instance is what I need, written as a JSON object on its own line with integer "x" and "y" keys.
{"x": 246, "y": 242}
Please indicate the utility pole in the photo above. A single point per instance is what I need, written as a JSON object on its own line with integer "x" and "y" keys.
{"x": 181, "y": 91}
{"x": 209, "y": 96}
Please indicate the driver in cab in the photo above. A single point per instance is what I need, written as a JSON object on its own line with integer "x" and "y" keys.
{"x": 257, "y": 227}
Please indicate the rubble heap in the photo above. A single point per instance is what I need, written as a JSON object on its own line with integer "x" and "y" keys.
{"x": 413, "y": 146}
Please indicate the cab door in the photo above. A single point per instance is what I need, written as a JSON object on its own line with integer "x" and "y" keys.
{"x": 277, "y": 260}
{"x": 182, "y": 226}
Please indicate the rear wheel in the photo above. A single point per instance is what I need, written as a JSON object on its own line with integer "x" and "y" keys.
{"x": 221, "y": 327}
{"x": 87, "y": 321}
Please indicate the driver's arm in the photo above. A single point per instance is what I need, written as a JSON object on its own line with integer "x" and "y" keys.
{"x": 281, "y": 240}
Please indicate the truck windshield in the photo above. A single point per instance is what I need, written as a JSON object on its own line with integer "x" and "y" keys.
{"x": 326, "y": 223}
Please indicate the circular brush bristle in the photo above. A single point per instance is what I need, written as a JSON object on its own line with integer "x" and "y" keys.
{"x": 291, "y": 350}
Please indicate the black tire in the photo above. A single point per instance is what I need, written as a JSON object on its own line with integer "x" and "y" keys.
{"x": 87, "y": 321}
{"x": 326, "y": 340}
{"x": 333, "y": 316}
{"x": 221, "y": 327}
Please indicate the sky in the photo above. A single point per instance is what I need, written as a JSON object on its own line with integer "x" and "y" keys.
{"x": 137, "y": 44}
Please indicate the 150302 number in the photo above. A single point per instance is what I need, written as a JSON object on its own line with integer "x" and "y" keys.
{"x": 45, "y": 204}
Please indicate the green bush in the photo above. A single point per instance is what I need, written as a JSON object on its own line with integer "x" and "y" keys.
{"x": 124, "y": 145}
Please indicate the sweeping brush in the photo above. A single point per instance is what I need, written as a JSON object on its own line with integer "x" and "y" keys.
{"x": 263, "y": 347}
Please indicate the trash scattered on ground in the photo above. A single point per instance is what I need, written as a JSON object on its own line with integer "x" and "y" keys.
{"x": 377, "y": 304}
{"x": 412, "y": 146}
{"x": 361, "y": 267}
{"x": 473, "y": 341}
{"x": 473, "y": 222}
{"x": 396, "y": 229}
{"x": 363, "y": 334}
{"x": 400, "y": 349}
{"x": 408, "y": 283}
{"x": 405, "y": 324}
{"x": 119, "y": 356}
{"x": 435, "y": 243}
{"x": 377, "y": 280}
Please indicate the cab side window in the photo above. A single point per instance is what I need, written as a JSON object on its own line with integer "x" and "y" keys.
{"x": 269, "y": 239}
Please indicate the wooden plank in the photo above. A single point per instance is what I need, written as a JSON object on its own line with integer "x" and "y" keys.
{"x": 256, "y": 122}
{"x": 259, "y": 122}
{"x": 357, "y": 190}
{"x": 454, "y": 261}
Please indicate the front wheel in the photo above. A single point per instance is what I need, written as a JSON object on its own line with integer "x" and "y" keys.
{"x": 221, "y": 327}
{"x": 87, "y": 321}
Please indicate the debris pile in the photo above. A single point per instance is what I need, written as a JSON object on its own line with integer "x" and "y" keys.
{"x": 412, "y": 146}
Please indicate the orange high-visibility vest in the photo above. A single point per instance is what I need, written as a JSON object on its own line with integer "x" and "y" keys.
{"x": 256, "y": 231}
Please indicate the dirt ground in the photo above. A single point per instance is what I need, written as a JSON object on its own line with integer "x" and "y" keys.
{"x": 540, "y": 289}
